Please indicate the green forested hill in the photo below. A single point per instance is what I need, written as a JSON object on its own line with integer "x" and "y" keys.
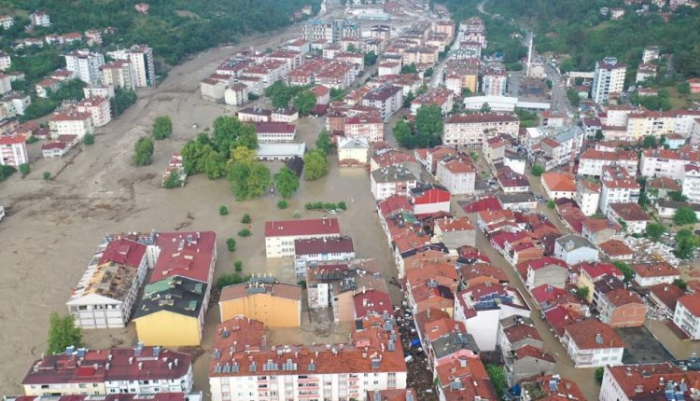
{"x": 587, "y": 36}
{"x": 173, "y": 28}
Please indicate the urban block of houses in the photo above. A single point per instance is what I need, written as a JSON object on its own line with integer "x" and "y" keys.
{"x": 629, "y": 382}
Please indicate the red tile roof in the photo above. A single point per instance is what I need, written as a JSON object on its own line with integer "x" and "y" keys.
{"x": 289, "y": 228}
{"x": 186, "y": 254}
{"x": 281, "y": 290}
{"x": 642, "y": 381}
{"x": 519, "y": 332}
{"x": 11, "y": 140}
{"x": 622, "y": 296}
{"x": 598, "y": 270}
{"x": 559, "y": 182}
{"x": 318, "y": 246}
{"x": 691, "y": 303}
{"x": 125, "y": 252}
{"x": 661, "y": 269}
{"x": 630, "y": 211}
{"x": 668, "y": 294}
{"x": 592, "y": 334}
{"x": 614, "y": 248}
{"x": 372, "y": 302}
{"x": 533, "y": 352}
{"x": 488, "y": 203}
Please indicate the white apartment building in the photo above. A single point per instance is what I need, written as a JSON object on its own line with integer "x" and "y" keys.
{"x": 5, "y": 84}
{"x": 352, "y": 151}
{"x": 587, "y": 197}
{"x": 367, "y": 127}
{"x": 13, "y": 151}
{"x": 388, "y": 99}
{"x": 392, "y": 180}
{"x": 691, "y": 182}
{"x": 647, "y": 381}
{"x": 494, "y": 83}
{"x": 71, "y": 123}
{"x": 372, "y": 360}
{"x": 85, "y": 65}
{"x": 7, "y": 21}
{"x": 457, "y": 175}
{"x": 473, "y": 129}
{"x": 5, "y": 61}
{"x": 687, "y": 315}
{"x": 99, "y": 90}
{"x": 608, "y": 77}
{"x": 236, "y": 94}
{"x": 111, "y": 371}
{"x": 109, "y": 288}
{"x": 319, "y": 250}
{"x": 592, "y": 344}
{"x": 666, "y": 162}
{"x": 14, "y": 104}
{"x": 634, "y": 217}
{"x": 142, "y": 65}
{"x": 99, "y": 108}
{"x": 118, "y": 73}
{"x": 592, "y": 161}
{"x": 617, "y": 186}
{"x": 40, "y": 18}
{"x": 280, "y": 235}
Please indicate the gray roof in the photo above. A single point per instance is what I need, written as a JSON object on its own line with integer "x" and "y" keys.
{"x": 567, "y": 133}
{"x": 516, "y": 198}
{"x": 576, "y": 241}
{"x": 393, "y": 174}
{"x": 453, "y": 342}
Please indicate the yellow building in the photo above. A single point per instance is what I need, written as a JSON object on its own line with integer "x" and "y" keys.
{"x": 171, "y": 313}
{"x": 592, "y": 272}
{"x": 275, "y": 304}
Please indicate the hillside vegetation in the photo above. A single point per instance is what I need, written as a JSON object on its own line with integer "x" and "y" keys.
{"x": 173, "y": 28}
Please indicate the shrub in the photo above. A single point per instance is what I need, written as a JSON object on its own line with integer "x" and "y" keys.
{"x": 342, "y": 206}
{"x": 245, "y": 233}
{"x": 302, "y": 284}
{"x": 223, "y": 211}
{"x": 89, "y": 139}
{"x": 283, "y": 204}
{"x": 24, "y": 169}
{"x": 47, "y": 175}
{"x": 230, "y": 279}
{"x": 238, "y": 266}
{"x": 231, "y": 245}
{"x": 246, "y": 219}
{"x": 329, "y": 206}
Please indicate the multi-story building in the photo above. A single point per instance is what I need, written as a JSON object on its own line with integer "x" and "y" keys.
{"x": 331, "y": 31}
{"x": 457, "y": 174}
{"x": 691, "y": 182}
{"x": 494, "y": 83}
{"x": 13, "y": 151}
{"x": 643, "y": 381}
{"x": 236, "y": 94}
{"x": 119, "y": 370}
{"x": 608, "y": 77}
{"x": 687, "y": 315}
{"x": 281, "y": 235}
{"x": 7, "y": 21}
{"x": 648, "y": 274}
{"x": 388, "y": 99}
{"x": 587, "y": 196}
{"x": 558, "y": 185}
{"x": 321, "y": 250}
{"x": 109, "y": 288}
{"x": 118, "y": 74}
{"x": 142, "y": 66}
{"x": 269, "y": 132}
{"x": 98, "y": 107}
{"x": 40, "y": 18}
{"x": 392, "y": 180}
{"x": 473, "y": 129}
{"x": 617, "y": 186}
{"x": 176, "y": 298}
{"x": 630, "y": 215}
{"x": 99, "y": 90}
{"x": 5, "y": 84}
{"x": 368, "y": 127}
{"x": 592, "y": 161}
{"x": 667, "y": 163}
{"x": 621, "y": 308}
{"x": 553, "y": 146}
{"x": 592, "y": 344}
{"x": 353, "y": 152}
{"x": 372, "y": 360}
{"x": 85, "y": 65}
{"x": 5, "y": 61}
{"x": 264, "y": 299}
{"x": 574, "y": 249}
{"x": 71, "y": 122}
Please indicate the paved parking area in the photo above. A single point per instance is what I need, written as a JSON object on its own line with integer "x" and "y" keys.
{"x": 642, "y": 347}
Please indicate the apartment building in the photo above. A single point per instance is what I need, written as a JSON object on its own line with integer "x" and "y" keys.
{"x": 321, "y": 250}
{"x": 72, "y": 122}
{"x": 119, "y": 370}
{"x": 85, "y": 65}
{"x": 109, "y": 288}
{"x": 457, "y": 174}
{"x": 632, "y": 217}
{"x": 40, "y": 18}
{"x": 176, "y": 298}
{"x": 236, "y": 94}
{"x": 263, "y": 299}
{"x": 13, "y": 151}
{"x": 649, "y": 274}
{"x": 373, "y": 360}
{"x": 494, "y": 83}
{"x": 368, "y": 127}
{"x": 392, "y": 180}
{"x": 587, "y": 196}
{"x": 99, "y": 90}
{"x": 648, "y": 381}
{"x": 592, "y": 161}
{"x": 687, "y": 315}
{"x": 473, "y": 129}
{"x": 592, "y": 344}
{"x": 667, "y": 163}
{"x": 272, "y": 132}
{"x": 280, "y": 236}
{"x": 143, "y": 66}
{"x": 99, "y": 109}
{"x": 388, "y": 99}
{"x": 118, "y": 74}
{"x": 608, "y": 77}
{"x": 617, "y": 186}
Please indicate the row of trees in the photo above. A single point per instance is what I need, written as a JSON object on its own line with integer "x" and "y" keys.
{"x": 282, "y": 94}
{"x": 426, "y": 132}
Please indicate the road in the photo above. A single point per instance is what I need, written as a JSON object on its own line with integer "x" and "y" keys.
{"x": 480, "y": 7}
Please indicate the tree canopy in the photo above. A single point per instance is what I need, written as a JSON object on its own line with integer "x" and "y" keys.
{"x": 315, "y": 165}
{"x": 305, "y": 102}
{"x": 143, "y": 151}
{"x": 429, "y": 126}
{"x": 63, "y": 333}
{"x": 655, "y": 230}
{"x": 162, "y": 127}
{"x": 685, "y": 215}
{"x": 323, "y": 142}
{"x": 686, "y": 243}
{"x": 286, "y": 182}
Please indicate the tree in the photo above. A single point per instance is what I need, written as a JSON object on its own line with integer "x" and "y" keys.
{"x": 684, "y": 215}
{"x": 370, "y": 59}
{"x": 537, "y": 170}
{"x": 243, "y": 155}
{"x": 323, "y": 142}
{"x": 683, "y": 88}
{"x": 315, "y": 165}
{"x": 342, "y": 206}
{"x": 162, "y": 127}
{"x": 429, "y": 126}
{"x": 173, "y": 181}
{"x": 680, "y": 283}
{"x": 404, "y": 135}
{"x": 215, "y": 165}
{"x": 231, "y": 245}
{"x": 574, "y": 98}
{"x": 655, "y": 231}
{"x": 582, "y": 292}
{"x": 286, "y": 182}
{"x": 474, "y": 155}
{"x": 428, "y": 72}
{"x": 305, "y": 102}
{"x": 238, "y": 266}
{"x": 223, "y": 210}
{"x": 498, "y": 379}
{"x": 6, "y": 171}
{"x": 230, "y": 133}
{"x": 244, "y": 233}
{"x": 599, "y": 136}
{"x": 282, "y": 204}
{"x": 686, "y": 243}
{"x": 677, "y": 196}
{"x": 122, "y": 100}
{"x": 89, "y": 139}
{"x": 410, "y": 97}
{"x": 47, "y": 175}
{"x": 24, "y": 169}
{"x": 230, "y": 279}
{"x": 551, "y": 204}
{"x": 143, "y": 151}
{"x": 63, "y": 333}
{"x": 409, "y": 69}
{"x": 246, "y": 219}
{"x": 649, "y": 142}
{"x": 351, "y": 48}
{"x": 485, "y": 108}
{"x": 598, "y": 375}
{"x": 626, "y": 271}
